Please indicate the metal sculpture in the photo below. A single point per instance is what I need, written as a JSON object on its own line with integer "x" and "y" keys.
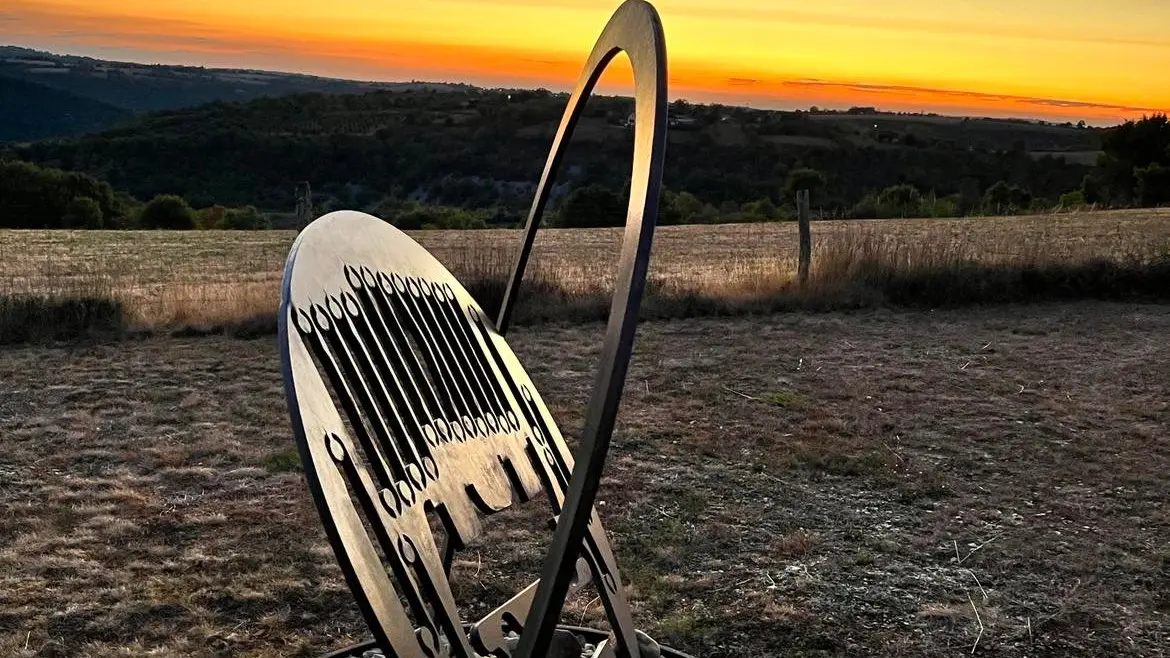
{"x": 637, "y": 30}
{"x": 409, "y": 407}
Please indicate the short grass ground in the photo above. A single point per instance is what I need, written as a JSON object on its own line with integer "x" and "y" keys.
{"x": 988, "y": 481}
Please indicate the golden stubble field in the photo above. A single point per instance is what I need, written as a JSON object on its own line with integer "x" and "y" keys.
{"x": 168, "y": 279}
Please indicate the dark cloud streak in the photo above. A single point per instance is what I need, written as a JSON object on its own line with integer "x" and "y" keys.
{"x": 956, "y": 93}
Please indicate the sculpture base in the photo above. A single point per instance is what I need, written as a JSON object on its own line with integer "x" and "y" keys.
{"x": 589, "y": 635}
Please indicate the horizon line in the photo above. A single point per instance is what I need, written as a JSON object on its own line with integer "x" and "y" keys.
{"x": 831, "y": 106}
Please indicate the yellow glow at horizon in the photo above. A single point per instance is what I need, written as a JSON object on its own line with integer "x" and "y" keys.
{"x": 1114, "y": 53}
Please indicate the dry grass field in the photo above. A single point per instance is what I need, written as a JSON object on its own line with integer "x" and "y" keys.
{"x": 887, "y": 480}
{"x": 910, "y": 483}
{"x": 168, "y": 279}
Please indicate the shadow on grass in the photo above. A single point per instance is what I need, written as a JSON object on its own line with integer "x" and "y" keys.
{"x": 27, "y": 319}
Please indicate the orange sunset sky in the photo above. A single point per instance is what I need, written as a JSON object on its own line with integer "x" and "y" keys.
{"x": 1054, "y": 59}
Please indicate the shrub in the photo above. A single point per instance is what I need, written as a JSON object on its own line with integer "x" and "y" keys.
{"x": 684, "y": 208}
{"x": 899, "y": 201}
{"x": 933, "y": 206}
{"x": 167, "y": 211}
{"x": 210, "y": 218}
{"x": 997, "y": 198}
{"x": 245, "y": 219}
{"x": 413, "y": 216}
{"x": 1004, "y": 199}
{"x": 763, "y": 210}
{"x": 1153, "y": 184}
{"x": 592, "y": 205}
{"x": 867, "y": 208}
{"x": 1021, "y": 199}
{"x": 43, "y": 197}
{"x": 1094, "y": 190}
{"x": 1074, "y": 199}
{"x": 905, "y": 201}
{"x": 803, "y": 179}
{"x": 82, "y": 212}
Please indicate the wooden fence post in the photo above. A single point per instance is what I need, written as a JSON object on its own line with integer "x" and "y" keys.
{"x": 304, "y": 205}
{"x": 802, "y": 212}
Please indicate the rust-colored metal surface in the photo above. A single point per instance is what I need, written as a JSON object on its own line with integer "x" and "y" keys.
{"x": 409, "y": 407}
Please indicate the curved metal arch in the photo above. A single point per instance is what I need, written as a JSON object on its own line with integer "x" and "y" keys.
{"x": 635, "y": 29}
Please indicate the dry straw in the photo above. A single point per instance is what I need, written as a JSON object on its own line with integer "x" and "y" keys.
{"x": 169, "y": 279}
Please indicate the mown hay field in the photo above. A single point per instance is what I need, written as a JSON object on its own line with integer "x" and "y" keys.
{"x": 167, "y": 279}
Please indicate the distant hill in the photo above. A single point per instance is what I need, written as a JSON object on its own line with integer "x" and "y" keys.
{"x": 30, "y": 111}
{"x": 137, "y": 88}
{"x": 484, "y": 149}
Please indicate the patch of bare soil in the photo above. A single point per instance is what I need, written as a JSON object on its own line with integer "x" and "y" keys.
{"x": 902, "y": 484}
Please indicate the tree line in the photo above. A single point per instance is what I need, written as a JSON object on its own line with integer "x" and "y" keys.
{"x": 46, "y": 198}
{"x": 481, "y": 150}
{"x": 1135, "y": 167}
{"x": 469, "y": 159}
